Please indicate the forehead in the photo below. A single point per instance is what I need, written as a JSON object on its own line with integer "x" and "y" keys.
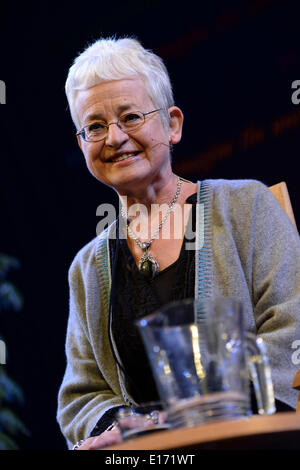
{"x": 112, "y": 97}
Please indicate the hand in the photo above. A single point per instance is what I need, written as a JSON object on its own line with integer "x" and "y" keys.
{"x": 113, "y": 436}
{"x": 107, "y": 438}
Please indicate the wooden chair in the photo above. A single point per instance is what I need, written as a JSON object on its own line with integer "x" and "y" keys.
{"x": 280, "y": 191}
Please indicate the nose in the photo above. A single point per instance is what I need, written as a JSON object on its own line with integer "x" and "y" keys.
{"x": 115, "y": 136}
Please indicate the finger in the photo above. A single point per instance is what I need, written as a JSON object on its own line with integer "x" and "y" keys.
{"x": 162, "y": 417}
{"x": 86, "y": 444}
{"x": 107, "y": 438}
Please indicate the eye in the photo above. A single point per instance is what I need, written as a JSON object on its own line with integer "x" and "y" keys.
{"x": 131, "y": 118}
{"x": 95, "y": 127}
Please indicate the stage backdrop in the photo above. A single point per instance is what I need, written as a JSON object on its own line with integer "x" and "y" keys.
{"x": 234, "y": 67}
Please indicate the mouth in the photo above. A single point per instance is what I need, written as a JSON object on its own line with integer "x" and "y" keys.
{"x": 122, "y": 157}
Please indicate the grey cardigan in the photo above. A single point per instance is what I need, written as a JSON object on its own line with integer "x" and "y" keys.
{"x": 246, "y": 249}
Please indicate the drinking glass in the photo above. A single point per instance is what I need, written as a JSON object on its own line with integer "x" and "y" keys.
{"x": 202, "y": 359}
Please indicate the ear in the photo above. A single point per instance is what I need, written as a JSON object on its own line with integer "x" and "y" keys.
{"x": 79, "y": 141}
{"x": 176, "y": 123}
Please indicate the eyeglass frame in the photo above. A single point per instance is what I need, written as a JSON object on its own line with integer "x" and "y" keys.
{"x": 82, "y": 131}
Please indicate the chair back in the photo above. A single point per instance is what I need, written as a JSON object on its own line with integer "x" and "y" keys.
{"x": 281, "y": 193}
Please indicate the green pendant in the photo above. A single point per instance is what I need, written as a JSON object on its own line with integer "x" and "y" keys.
{"x": 148, "y": 266}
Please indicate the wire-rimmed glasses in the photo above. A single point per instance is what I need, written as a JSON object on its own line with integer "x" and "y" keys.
{"x": 98, "y": 130}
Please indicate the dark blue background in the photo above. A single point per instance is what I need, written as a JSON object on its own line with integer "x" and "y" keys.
{"x": 231, "y": 64}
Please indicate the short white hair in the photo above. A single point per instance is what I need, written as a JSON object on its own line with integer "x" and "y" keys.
{"x": 115, "y": 59}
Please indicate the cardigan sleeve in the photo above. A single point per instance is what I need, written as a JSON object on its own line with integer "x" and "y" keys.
{"x": 85, "y": 396}
{"x": 275, "y": 266}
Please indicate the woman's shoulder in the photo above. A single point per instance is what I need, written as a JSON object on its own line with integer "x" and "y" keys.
{"x": 239, "y": 190}
{"x": 237, "y": 185}
{"x": 242, "y": 197}
{"x": 245, "y": 199}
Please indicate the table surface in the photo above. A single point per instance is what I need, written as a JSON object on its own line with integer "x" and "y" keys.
{"x": 278, "y": 431}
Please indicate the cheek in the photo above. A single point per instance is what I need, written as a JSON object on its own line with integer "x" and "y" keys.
{"x": 91, "y": 152}
{"x": 152, "y": 140}
{"x": 158, "y": 144}
{"x": 94, "y": 163}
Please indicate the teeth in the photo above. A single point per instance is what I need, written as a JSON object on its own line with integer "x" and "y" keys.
{"x": 124, "y": 157}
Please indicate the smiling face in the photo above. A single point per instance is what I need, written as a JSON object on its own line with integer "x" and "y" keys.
{"x": 125, "y": 160}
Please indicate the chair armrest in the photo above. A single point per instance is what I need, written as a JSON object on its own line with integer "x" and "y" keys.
{"x": 296, "y": 386}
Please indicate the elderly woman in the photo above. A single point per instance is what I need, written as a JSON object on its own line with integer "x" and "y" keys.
{"x": 244, "y": 246}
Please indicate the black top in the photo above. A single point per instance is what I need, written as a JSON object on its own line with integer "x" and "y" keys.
{"x": 134, "y": 297}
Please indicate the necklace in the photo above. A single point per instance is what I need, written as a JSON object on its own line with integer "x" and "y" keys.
{"x": 148, "y": 265}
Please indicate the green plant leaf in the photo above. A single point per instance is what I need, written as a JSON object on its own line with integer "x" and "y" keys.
{"x": 10, "y": 297}
{"x": 10, "y": 391}
{"x": 10, "y": 423}
{"x": 7, "y": 263}
{"x": 6, "y": 443}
